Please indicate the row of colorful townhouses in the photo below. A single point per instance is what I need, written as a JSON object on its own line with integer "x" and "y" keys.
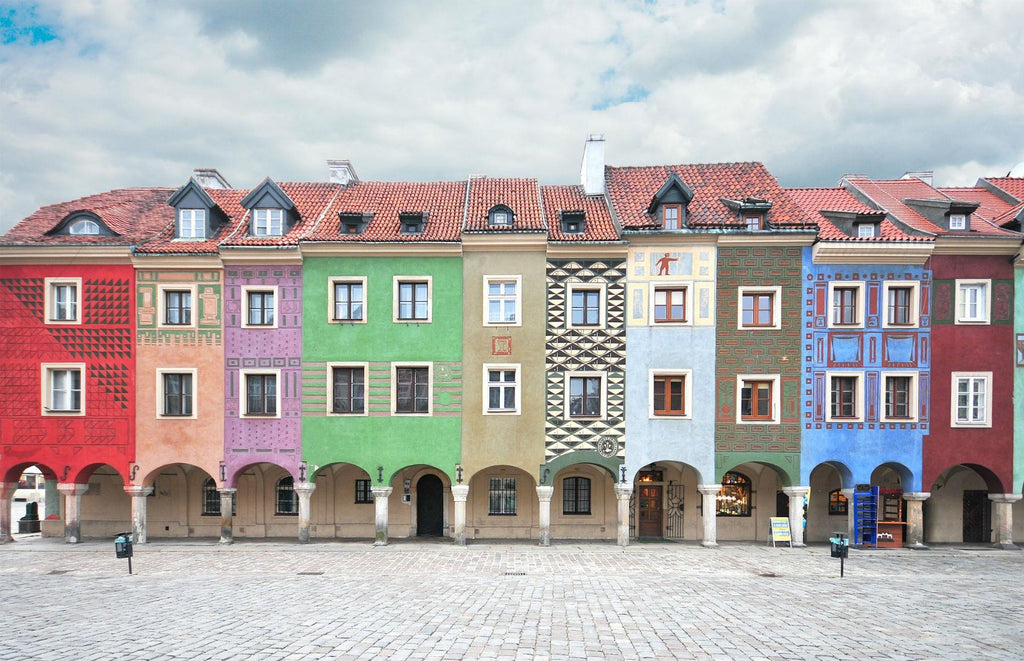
{"x": 674, "y": 351}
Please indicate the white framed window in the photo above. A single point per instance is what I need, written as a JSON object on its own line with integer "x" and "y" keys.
{"x": 268, "y": 222}
{"x": 412, "y": 387}
{"x": 502, "y": 389}
{"x": 503, "y": 302}
{"x": 845, "y": 397}
{"x": 957, "y": 221}
{"x": 259, "y": 393}
{"x": 865, "y": 230}
{"x": 346, "y": 383}
{"x": 757, "y": 399}
{"x": 63, "y": 300}
{"x": 846, "y": 304}
{"x": 192, "y": 223}
{"x": 901, "y": 307}
{"x": 972, "y": 399}
{"x": 671, "y": 303}
{"x": 759, "y": 308}
{"x": 177, "y": 305}
{"x": 346, "y": 300}
{"x": 585, "y": 395}
{"x": 669, "y": 394}
{"x": 412, "y": 298}
{"x": 899, "y": 397}
{"x": 259, "y": 307}
{"x": 972, "y": 301}
{"x": 586, "y": 303}
{"x": 84, "y": 227}
{"x": 63, "y": 388}
{"x": 176, "y": 388}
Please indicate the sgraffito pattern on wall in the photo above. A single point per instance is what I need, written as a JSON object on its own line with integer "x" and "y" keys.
{"x": 206, "y": 307}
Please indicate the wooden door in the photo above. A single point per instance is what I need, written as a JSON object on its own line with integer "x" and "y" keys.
{"x": 977, "y": 513}
{"x": 649, "y": 498}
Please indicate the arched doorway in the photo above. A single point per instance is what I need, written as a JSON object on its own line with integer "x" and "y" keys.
{"x": 429, "y": 506}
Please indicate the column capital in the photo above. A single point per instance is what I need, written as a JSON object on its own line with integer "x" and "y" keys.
{"x": 460, "y": 492}
{"x": 544, "y": 493}
{"x": 1005, "y": 497}
{"x": 796, "y": 491}
{"x": 227, "y": 491}
{"x": 304, "y": 488}
{"x": 135, "y": 491}
{"x": 623, "y": 491}
{"x": 709, "y": 489}
{"x": 72, "y": 488}
{"x": 381, "y": 492}
{"x": 918, "y": 495}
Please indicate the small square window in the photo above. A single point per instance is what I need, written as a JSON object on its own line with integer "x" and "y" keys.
{"x": 899, "y": 397}
{"x": 501, "y": 496}
{"x": 672, "y": 216}
{"x": 957, "y": 221}
{"x": 753, "y": 221}
{"x": 759, "y": 308}
{"x": 670, "y": 394}
{"x": 501, "y": 389}
{"x": 670, "y": 305}
{"x": 348, "y": 300}
{"x": 364, "y": 495}
{"x": 192, "y": 224}
{"x": 260, "y": 307}
{"x": 758, "y": 398}
{"x": 412, "y": 299}
{"x": 865, "y": 230}
{"x": 411, "y": 387}
{"x": 176, "y": 391}
{"x": 348, "y": 389}
{"x": 260, "y": 396}
{"x": 268, "y": 222}
{"x": 502, "y": 300}
{"x": 177, "y": 307}
{"x": 63, "y": 391}
{"x": 586, "y": 395}
{"x": 63, "y": 300}
{"x": 972, "y": 304}
{"x": 845, "y": 398}
{"x": 972, "y": 399}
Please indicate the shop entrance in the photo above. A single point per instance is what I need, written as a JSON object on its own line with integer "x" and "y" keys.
{"x": 429, "y": 506}
{"x": 977, "y": 517}
{"x": 650, "y": 510}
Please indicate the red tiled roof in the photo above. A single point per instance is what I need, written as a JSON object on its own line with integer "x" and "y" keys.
{"x": 135, "y": 214}
{"x": 311, "y": 202}
{"x": 522, "y": 196}
{"x": 631, "y": 190}
{"x": 991, "y": 206}
{"x": 165, "y": 243}
{"x": 443, "y": 201}
{"x": 597, "y": 219}
{"x": 1012, "y": 185}
{"x": 815, "y": 200}
{"x": 890, "y": 195}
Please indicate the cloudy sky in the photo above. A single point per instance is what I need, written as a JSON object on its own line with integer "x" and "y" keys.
{"x": 96, "y": 95}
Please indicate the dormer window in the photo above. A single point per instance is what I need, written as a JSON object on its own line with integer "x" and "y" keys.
{"x": 412, "y": 222}
{"x": 192, "y": 223}
{"x": 753, "y": 221}
{"x": 957, "y": 221}
{"x": 500, "y": 216}
{"x": 573, "y": 222}
{"x": 354, "y": 223}
{"x": 865, "y": 230}
{"x": 83, "y": 226}
{"x": 671, "y": 216}
{"x": 268, "y": 222}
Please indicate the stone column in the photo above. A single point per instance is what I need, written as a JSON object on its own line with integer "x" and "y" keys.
{"x": 138, "y": 495}
{"x": 914, "y": 536}
{"x": 460, "y": 492}
{"x": 544, "y": 494}
{"x": 72, "y": 510}
{"x": 52, "y": 499}
{"x": 850, "y": 512}
{"x": 796, "y": 513}
{"x": 1003, "y": 518}
{"x": 380, "y": 514}
{"x": 709, "y": 511}
{"x": 227, "y": 502}
{"x": 6, "y": 520}
{"x": 623, "y": 492}
{"x": 304, "y": 490}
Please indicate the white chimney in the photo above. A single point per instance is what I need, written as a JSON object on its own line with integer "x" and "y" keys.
{"x": 592, "y": 170}
{"x": 924, "y": 175}
{"x": 210, "y": 178}
{"x": 342, "y": 172}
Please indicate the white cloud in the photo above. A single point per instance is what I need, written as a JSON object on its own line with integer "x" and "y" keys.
{"x": 140, "y": 93}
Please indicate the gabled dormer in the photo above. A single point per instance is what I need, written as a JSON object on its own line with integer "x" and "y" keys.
{"x": 271, "y": 211}
{"x": 573, "y": 222}
{"x": 950, "y": 215}
{"x": 752, "y": 211}
{"x": 196, "y": 216}
{"x": 669, "y": 204}
{"x": 863, "y": 225}
{"x": 412, "y": 222}
{"x": 354, "y": 222}
{"x": 501, "y": 215}
{"x": 81, "y": 223}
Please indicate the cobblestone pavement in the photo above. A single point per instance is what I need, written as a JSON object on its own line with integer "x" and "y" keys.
{"x": 413, "y": 600}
